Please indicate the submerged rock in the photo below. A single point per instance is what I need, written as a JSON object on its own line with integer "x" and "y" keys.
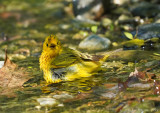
{"x": 95, "y": 42}
{"x": 148, "y": 31}
{"x": 47, "y": 101}
{"x": 146, "y": 9}
{"x": 109, "y": 95}
{"x": 141, "y": 86}
{"x": 63, "y": 96}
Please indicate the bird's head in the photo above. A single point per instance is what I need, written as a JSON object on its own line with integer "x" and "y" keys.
{"x": 52, "y": 44}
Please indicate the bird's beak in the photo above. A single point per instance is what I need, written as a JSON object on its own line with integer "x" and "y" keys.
{"x": 52, "y": 46}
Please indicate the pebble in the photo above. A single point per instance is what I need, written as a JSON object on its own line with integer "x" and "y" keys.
{"x": 95, "y": 42}
{"x": 109, "y": 95}
{"x": 106, "y": 22}
{"x": 63, "y": 96}
{"x": 47, "y": 101}
{"x": 140, "y": 85}
{"x": 1, "y": 64}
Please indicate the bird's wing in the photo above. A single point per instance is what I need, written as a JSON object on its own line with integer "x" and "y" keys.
{"x": 66, "y": 58}
{"x": 88, "y": 57}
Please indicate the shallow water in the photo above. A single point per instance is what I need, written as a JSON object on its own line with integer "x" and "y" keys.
{"x": 24, "y": 26}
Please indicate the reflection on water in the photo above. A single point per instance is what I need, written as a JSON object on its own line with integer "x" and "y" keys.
{"x": 28, "y": 22}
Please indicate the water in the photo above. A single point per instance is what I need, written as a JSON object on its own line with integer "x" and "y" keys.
{"x": 26, "y": 23}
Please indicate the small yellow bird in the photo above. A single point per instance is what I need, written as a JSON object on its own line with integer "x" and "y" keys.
{"x": 64, "y": 64}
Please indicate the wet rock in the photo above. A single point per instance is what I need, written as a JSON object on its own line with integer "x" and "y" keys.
{"x": 141, "y": 86}
{"x": 157, "y": 21}
{"x": 64, "y": 26}
{"x": 63, "y": 96}
{"x": 157, "y": 18}
{"x": 145, "y": 9}
{"x": 138, "y": 107}
{"x": 123, "y": 17}
{"x": 23, "y": 51}
{"x": 126, "y": 22}
{"x": 83, "y": 23}
{"x": 47, "y": 101}
{"x": 106, "y": 22}
{"x": 95, "y": 42}
{"x": 19, "y": 56}
{"x": 109, "y": 95}
{"x": 89, "y": 9}
{"x": 80, "y": 35}
{"x": 119, "y": 2}
{"x": 120, "y": 11}
{"x": 147, "y": 31}
{"x": 60, "y": 105}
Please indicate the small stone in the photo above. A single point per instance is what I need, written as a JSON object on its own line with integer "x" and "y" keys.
{"x": 140, "y": 85}
{"x": 106, "y": 22}
{"x": 38, "y": 107}
{"x": 63, "y": 96}
{"x": 1, "y": 64}
{"x": 80, "y": 35}
{"x": 95, "y": 42}
{"x": 47, "y": 101}
{"x": 109, "y": 95}
{"x": 64, "y": 26}
{"x": 12, "y": 56}
{"x": 123, "y": 17}
{"x": 60, "y": 105}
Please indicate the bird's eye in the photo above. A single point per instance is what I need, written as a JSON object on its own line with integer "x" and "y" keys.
{"x": 47, "y": 45}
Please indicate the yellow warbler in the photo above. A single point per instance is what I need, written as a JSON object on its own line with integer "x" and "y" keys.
{"x": 64, "y": 64}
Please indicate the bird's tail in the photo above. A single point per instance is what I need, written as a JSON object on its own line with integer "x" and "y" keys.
{"x": 104, "y": 58}
{"x": 107, "y": 54}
